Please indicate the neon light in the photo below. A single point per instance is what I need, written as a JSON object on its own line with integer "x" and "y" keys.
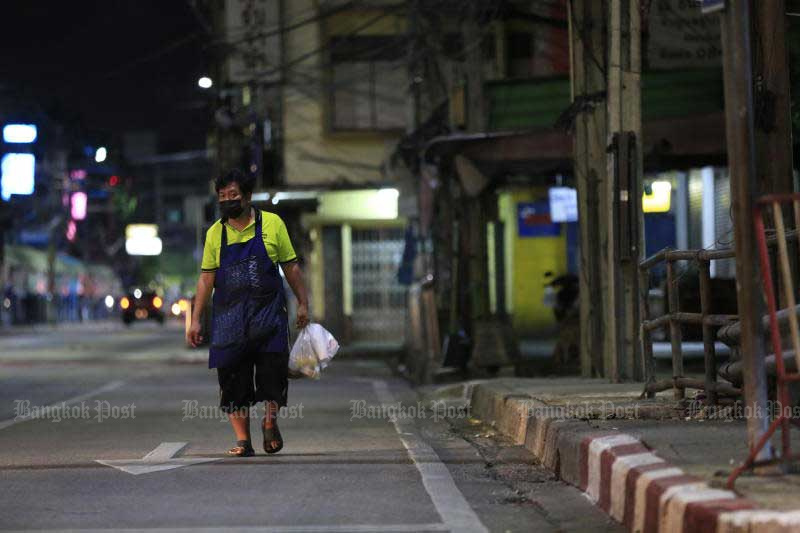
{"x": 79, "y": 201}
{"x": 72, "y": 229}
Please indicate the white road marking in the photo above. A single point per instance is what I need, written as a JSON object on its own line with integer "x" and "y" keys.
{"x": 45, "y": 411}
{"x": 160, "y": 459}
{"x": 164, "y": 451}
{"x": 442, "y": 490}
{"x": 347, "y": 528}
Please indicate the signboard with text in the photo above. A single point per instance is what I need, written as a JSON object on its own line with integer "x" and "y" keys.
{"x": 533, "y": 220}
{"x": 563, "y": 204}
{"x": 682, "y": 36}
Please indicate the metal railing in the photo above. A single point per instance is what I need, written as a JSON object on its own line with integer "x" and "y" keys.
{"x": 674, "y": 318}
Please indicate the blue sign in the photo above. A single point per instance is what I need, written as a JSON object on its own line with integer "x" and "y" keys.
{"x": 34, "y": 238}
{"x": 533, "y": 220}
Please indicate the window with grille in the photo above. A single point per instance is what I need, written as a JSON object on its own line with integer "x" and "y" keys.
{"x": 368, "y": 83}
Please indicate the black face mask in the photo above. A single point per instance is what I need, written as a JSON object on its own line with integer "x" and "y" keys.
{"x": 231, "y": 208}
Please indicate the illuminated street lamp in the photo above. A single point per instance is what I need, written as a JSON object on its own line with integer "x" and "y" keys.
{"x": 101, "y": 154}
{"x": 205, "y": 82}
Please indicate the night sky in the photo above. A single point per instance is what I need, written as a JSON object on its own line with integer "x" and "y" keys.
{"x": 110, "y": 65}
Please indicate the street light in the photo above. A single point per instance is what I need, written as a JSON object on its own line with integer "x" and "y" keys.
{"x": 205, "y": 82}
{"x": 101, "y": 154}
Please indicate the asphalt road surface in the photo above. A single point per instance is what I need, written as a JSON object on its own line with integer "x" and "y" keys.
{"x": 107, "y": 430}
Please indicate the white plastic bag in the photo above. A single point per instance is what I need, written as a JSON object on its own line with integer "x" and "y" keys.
{"x": 312, "y": 351}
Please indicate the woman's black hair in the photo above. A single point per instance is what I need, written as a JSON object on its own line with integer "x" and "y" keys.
{"x": 246, "y": 182}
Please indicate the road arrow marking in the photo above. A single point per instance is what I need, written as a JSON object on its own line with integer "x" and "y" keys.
{"x": 161, "y": 458}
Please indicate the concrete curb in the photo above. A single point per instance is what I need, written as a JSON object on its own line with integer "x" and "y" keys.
{"x": 620, "y": 474}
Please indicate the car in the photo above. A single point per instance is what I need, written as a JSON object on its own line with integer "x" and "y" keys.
{"x": 141, "y": 305}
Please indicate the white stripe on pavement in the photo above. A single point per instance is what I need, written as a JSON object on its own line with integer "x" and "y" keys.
{"x": 322, "y": 528}
{"x": 45, "y": 411}
{"x": 164, "y": 451}
{"x": 442, "y": 490}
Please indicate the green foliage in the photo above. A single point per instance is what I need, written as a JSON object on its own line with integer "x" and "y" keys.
{"x": 124, "y": 204}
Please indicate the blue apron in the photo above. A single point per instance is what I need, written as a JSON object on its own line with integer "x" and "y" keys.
{"x": 248, "y": 309}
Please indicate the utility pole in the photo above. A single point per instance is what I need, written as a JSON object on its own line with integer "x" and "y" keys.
{"x": 623, "y": 204}
{"x": 740, "y": 133}
{"x": 772, "y": 97}
{"x": 588, "y": 71}
{"x": 476, "y": 122}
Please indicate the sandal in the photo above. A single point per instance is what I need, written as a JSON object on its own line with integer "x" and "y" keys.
{"x": 271, "y": 434}
{"x": 243, "y": 448}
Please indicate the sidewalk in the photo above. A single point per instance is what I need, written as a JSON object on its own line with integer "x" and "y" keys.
{"x": 645, "y": 463}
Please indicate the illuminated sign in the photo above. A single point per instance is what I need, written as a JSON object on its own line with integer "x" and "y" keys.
{"x": 563, "y": 204}
{"x": 659, "y": 200}
{"x": 19, "y": 133}
{"x": 142, "y": 239}
{"x": 17, "y": 175}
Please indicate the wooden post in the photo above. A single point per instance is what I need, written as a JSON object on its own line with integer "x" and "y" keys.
{"x": 772, "y": 96}
{"x": 587, "y": 70}
{"x": 773, "y": 123}
{"x": 476, "y": 122}
{"x": 708, "y": 333}
{"x": 740, "y": 126}
{"x": 623, "y": 206}
{"x": 675, "y": 336}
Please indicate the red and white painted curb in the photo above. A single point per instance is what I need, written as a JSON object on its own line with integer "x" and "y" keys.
{"x": 646, "y": 494}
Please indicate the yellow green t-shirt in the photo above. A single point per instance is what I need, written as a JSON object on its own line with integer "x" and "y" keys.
{"x": 273, "y": 231}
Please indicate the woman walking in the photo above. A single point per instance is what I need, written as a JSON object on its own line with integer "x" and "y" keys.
{"x": 249, "y": 327}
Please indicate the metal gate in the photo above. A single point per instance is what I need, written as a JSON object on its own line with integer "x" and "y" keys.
{"x": 379, "y": 301}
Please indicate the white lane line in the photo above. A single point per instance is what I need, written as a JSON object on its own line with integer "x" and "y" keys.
{"x": 45, "y": 411}
{"x": 442, "y": 490}
{"x": 346, "y": 528}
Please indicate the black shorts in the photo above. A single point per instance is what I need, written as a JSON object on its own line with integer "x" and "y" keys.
{"x": 256, "y": 377}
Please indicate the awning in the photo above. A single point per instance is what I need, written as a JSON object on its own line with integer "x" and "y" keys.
{"x": 668, "y": 144}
